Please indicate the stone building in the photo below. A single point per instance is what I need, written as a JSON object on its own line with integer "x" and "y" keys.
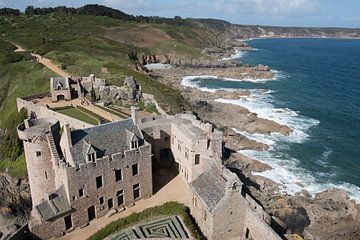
{"x": 68, "y": 88}
{"x": 82, "y": 174}
{"x": 220, "y": 207}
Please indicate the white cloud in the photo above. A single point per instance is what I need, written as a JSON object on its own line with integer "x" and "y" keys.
{"x": 126, "y": 4}
{"x": 274, "y": 8}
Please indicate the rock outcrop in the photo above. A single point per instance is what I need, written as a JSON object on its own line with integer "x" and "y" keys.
{"x": 228, "y": 115}
{"x": 15, "y": 204}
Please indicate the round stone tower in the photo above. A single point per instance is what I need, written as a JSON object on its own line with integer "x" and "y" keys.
{"x": 37, "y": 136}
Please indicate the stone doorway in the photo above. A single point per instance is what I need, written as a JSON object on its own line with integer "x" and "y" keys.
{"x": 60, "y": 97}
{"x": 91, "y": 213}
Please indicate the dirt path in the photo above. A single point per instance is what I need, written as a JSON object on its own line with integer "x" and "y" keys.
{"x": 19, "y": 49}
{"x": 44, "y": 61}
{"x": 47, "y": 63}
{"x": 175, "y": 190}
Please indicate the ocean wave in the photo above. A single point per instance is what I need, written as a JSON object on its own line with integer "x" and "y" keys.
{"x": 193, "y": 81}
{"x": 293, "y": 178}
{"x": 238, "y": 54}
{"x": 261, "y": 103}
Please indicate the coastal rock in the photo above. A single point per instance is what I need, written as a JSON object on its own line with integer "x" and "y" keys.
{"x": 15, "y": 204}
{"x": 228, "y": 115}
{"x": 246, "y": 164}
{"x": 237, "y": 142}
{"x": 333, "y": 216}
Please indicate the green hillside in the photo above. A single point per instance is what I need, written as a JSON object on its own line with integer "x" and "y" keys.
{"x": 82, "y": 45}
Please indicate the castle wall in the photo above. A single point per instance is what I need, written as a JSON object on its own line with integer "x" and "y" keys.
{"x": 84, "y": 178}
{"x": 229, "y": 217}
{"x": 43, "y": 112}
{"x": 39, "y": 168}
{"x": 55, "y": 93}
{"x": 202, "y": 216}
{"x": 257, "y": 228}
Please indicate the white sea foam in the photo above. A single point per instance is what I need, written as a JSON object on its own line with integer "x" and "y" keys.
{"x": 238, "y": 54}
{"x": 193, "y": 81}
{"x": 286, "y": 169}
{"x": 293, "y": 178}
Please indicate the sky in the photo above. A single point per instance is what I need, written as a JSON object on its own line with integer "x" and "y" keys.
{"x": 307, "y": 13}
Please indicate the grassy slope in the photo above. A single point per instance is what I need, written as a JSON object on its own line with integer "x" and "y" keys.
{"x": 88, "y": 44}
{"x": 19, "y": 76}
{"x": 85, "y": 45}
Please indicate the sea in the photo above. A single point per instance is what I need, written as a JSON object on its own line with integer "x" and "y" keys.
{"x": 316, "y": 92}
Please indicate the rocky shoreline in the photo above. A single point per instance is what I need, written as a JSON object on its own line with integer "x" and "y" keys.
{"x": 327, "y": 215}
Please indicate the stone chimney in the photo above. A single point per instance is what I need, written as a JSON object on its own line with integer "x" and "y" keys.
{"x": 67, "y": 133}
{"x": 134, "y": 114}
{"x": 208, "y": 128}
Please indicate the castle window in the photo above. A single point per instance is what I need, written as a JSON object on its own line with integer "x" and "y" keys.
{"x": 46, "y": 176}
{"x": 179, "y": 147}
{"x": 208, "y": 143}
{"x": 99, "y": 182}
{"x": 101, "y": 200}
{"x": 38, "y": 153}
{"x": 205, "y": 215}
{"x": 135, "y": 169}
{"x": 136, "y": 191}
{"x": 247, "y": 234}
{"x": 81, "y": 192}
{"x": 166, "y": 139}
{"x": 91, "y": 157}
{"x": 134, "y": 144}
{"x": 194, "y": 201}
{"x": 118, "y": 175}
{"x": 197, "y": 159}
{"x": 120, "y": 197}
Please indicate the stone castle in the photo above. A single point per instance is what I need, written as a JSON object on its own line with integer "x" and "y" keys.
{"x": 79, "y": 174}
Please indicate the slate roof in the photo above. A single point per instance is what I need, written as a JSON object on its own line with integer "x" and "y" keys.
{"x": 210, "y": 187}
{"x": 106, "y": 139}
{"x": 64, "y": 82}
{"x": 57, "y": 205}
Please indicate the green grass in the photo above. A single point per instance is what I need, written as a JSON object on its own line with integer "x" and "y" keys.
{"x": 92, "y": 114}
{"x": 16, "y": 169}
{"x": 20, "y": 79}
{"x": 167, "y": 209}
{"x": 82, "y": 46}
{"x": 114, "y": 111}
{"x": 76, "y": 113}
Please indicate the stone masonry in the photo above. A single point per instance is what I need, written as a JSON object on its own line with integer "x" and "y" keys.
{"x": 83, "y": 174}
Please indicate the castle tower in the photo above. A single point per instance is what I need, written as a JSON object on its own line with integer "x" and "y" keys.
{"x": 38, "y": 141}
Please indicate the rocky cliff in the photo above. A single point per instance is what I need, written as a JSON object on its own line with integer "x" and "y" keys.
{"x": 15, "y": 204}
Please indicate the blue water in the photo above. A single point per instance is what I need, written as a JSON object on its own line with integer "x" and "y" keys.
{"x": 317, "y": 93}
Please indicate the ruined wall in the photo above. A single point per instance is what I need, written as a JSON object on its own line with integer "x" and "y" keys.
{"x": 257, "y": 228}
{"x": 151, "y": 99}
{"x": 43, "y": 112}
